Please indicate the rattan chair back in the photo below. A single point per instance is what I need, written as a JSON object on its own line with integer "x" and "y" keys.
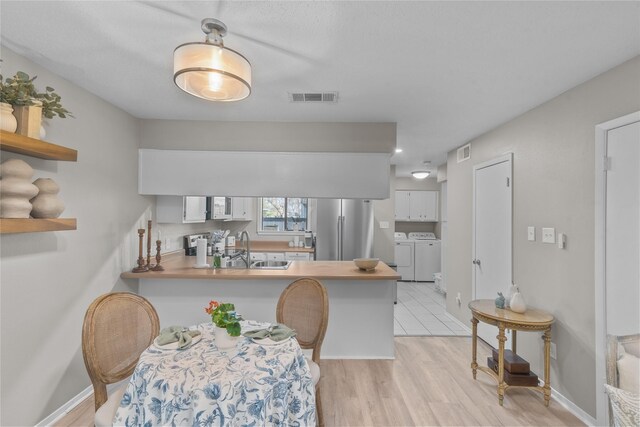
{"x": 117, "y": 328}
{"x": 304, "y": 306}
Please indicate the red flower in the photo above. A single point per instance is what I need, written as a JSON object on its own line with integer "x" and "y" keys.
{"x": 212, "y": 306}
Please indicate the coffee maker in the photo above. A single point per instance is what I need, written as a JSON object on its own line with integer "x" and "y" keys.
{"x": 308, "y": 239}
{"x": 191, "y": 242}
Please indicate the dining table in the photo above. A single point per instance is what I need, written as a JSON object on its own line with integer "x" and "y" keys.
{"x": 254, "y": 383}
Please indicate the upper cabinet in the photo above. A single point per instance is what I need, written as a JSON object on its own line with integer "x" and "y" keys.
{"x": 416, "y": 206}
{"x": 241, "y": 208}
{"x": 178, "y": 209}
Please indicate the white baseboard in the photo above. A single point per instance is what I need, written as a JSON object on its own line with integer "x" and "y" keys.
{"x": 572, "y": 407}
{"x": 66, "y": 408}
{"x": 75, "y": 401}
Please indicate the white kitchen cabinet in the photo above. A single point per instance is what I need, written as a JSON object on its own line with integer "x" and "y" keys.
{"x": 179, "y": 209}
{"x": 241, "y": 208}
{"x": 297, "y": 256}
{"x": 416, "y": 206}
{"x": 402, "y": 205}
{"x": 275, "y": 256}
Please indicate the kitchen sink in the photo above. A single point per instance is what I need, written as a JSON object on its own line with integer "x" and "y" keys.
{"x": 271, "y": 265}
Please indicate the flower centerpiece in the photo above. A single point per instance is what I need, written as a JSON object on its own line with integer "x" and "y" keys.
{"x": 227, "y": 322}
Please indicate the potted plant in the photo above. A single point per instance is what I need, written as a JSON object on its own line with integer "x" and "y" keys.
{"x": 227, "y": 323}
{"x": 29, "y": 106}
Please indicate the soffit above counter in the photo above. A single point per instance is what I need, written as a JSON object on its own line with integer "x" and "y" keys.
{"x": 264, "y": 174}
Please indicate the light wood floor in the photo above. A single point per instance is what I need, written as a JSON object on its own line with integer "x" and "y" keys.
{"x": 429, "y": 383}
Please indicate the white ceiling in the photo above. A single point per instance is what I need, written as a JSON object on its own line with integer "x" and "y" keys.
{"x": 444, "y": 71}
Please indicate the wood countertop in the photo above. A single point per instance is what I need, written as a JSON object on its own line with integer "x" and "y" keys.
{"x": 179, "y": 266}
{"x": 271, "y": 246}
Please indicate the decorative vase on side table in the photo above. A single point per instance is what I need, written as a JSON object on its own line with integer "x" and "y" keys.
{"x": 16, "y": 189}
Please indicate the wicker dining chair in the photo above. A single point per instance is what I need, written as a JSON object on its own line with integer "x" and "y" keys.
{"x": 304, "y": 306}
{"x": 117, "y": 328}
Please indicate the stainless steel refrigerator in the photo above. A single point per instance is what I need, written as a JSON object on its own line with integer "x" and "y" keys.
{"x": 344, "y": 229}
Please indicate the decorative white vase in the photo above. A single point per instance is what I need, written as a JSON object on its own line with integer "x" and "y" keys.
{"x": 512, "y": 290}
{"x": 16, "y": 189}
{"x": 224, "y": 341}
{"x": 46, "y": 204}
{"x": 517, "y": 304}
{"x": 8, "y": 121}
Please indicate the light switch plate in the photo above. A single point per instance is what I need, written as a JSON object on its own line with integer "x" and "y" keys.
{"x": 548, "y": 235}
{"x": 531, "y": 234}
{"x": 384, "y": 224}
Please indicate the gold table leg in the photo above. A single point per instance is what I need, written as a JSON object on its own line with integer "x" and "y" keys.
{"x": 547, "y": 362}
{"x": 513, "y": 340}
{"x": 474, "y": 346}
{"x": 501, "y": 384}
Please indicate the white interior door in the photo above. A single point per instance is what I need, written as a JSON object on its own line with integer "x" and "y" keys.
{"x": 492, "y": 235}
{"x": 622, "y": 259}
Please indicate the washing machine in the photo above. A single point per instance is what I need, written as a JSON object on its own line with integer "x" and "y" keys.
{"x": 404, "y": 256}
{"x": 427, "y": 253}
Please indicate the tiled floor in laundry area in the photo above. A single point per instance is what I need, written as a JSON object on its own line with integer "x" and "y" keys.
{"x": 421, "y": 312}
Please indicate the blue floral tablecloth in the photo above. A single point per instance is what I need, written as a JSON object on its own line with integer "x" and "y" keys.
{"x": 251, "y": 385}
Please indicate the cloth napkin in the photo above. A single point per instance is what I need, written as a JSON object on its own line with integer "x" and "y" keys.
{"x": 178, "y": 334}
{"x": 277, "y": 332}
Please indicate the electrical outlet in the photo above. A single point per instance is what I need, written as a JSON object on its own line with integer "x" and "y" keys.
{"x": 553, "y": 351}
{"x": 531, "y": 234}
{"x": 548, "y": 235}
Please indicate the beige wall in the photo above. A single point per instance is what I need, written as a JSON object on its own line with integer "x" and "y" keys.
{"x": 268, "y": 136}
{"x": 49, "y": 279}
{"x": 553, "y": 186}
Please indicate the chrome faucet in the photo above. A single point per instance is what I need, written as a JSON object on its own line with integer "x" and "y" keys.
{"x": 248, "y": 249}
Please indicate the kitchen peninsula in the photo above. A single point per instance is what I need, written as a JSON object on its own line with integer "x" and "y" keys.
{"x": 360, "y": 302}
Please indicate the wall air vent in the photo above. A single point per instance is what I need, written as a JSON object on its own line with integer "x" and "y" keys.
{"x": 464, "y": 153}
{"x": 313, "y": 97}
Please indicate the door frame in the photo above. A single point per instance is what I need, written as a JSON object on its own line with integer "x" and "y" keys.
{"x": 602, "y": 409}
{"x": 504, "y": 158}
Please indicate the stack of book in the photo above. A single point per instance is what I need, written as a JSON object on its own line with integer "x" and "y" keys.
{"x": 516, "y": 369}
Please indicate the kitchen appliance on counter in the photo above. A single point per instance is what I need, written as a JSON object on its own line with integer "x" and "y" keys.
{"x": 191, "y": 242}
{"x": 308, "y": 239}
{"x": 344, "y": 229}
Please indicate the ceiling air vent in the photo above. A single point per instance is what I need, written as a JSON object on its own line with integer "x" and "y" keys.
{"x": 464, "y": 153}
{"x": 313, "y": 97}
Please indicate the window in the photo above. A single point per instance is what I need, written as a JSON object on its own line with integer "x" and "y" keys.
{"x": 281, "y": 214}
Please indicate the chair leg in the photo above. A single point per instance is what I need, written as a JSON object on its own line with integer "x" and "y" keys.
{"x": 320, "y": 418}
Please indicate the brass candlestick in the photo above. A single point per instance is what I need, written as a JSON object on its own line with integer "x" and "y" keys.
{"x": 158, "y": 267}
{"x": 149, "y": 244}
{"x": 141, "y": 268}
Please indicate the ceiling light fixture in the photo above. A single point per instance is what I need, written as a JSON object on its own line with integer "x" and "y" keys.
{"x": 398, "y": 150}
{"x": 420, "y": 174}
{"x": 209, "y": 70}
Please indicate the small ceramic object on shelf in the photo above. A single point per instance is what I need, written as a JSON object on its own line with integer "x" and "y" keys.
{"x": 16, "y": 189}
{"x": 46, "y": 204}
{"x": 517, "y": 302}
{"x": 500, "y": 300}
{"x": 8, "y": 121}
